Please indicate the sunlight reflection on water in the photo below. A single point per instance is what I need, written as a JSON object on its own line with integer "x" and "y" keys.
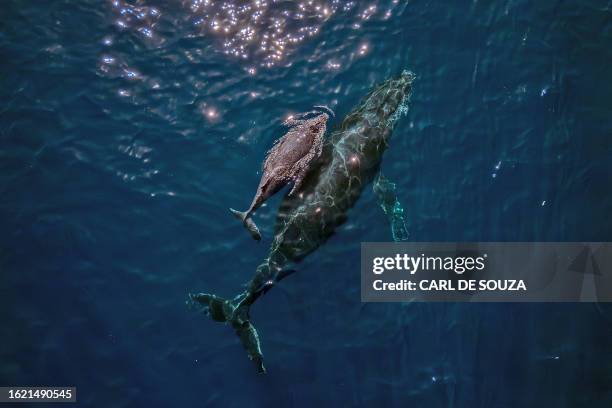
{"x": 261, "y": 33}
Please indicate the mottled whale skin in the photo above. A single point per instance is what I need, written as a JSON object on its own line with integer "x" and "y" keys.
{"x": 289, "y": 160}
{"x": 350, "y": 160}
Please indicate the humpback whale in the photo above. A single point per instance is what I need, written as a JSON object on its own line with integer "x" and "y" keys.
{"x": 289, "y": 160}
{"x": 349, "y": 161}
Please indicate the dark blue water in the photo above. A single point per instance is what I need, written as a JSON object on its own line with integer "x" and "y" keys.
{"x": 128, "y": 129}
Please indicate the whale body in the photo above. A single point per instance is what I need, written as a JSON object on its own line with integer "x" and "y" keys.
{"x": 289, "y": 160}
{"x": 350, "y": 160}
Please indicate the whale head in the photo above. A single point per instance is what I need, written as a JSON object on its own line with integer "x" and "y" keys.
{"x": 385, "y": 104}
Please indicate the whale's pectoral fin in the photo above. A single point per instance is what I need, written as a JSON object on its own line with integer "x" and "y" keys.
{"x": 387, "y": 197}
{"x": 237, "y": 315}
{"x": 296, "y": 185}
{"x": 299, "y": 170}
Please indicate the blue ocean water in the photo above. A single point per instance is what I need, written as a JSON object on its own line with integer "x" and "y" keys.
{"x": 127, "y": 129}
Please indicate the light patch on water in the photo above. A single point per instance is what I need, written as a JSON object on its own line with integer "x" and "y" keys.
{"x": 257, "y": 35}
{"x": 137, "y": 18}
{"x": 266, "y": 31}
{"x": 363, "y": 49}
{"x": 210, "y": 112}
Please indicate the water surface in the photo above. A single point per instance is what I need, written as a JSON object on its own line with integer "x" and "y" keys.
{"x": 128, "y": 128}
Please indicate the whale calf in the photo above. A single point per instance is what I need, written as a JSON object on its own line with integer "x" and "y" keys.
{"x": 350, "y": 160}
{"x": 289, "y": 160}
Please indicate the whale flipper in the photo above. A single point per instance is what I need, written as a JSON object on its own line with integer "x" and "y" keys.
{"x": 237, "y": 315}
{"x": 248, "y": 223}
{"x": 387, "y": 198}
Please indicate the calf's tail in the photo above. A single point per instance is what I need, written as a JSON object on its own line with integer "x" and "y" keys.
{"x": 248, "y": 223}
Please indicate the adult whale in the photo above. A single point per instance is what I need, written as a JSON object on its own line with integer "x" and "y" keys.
{"x": 350, "y": 160}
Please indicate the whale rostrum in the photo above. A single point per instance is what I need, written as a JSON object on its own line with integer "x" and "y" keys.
{"x": 349, "y": 160}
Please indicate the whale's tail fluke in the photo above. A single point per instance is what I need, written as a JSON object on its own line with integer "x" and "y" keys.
{"x": 248, "y": 223}
{"x": 236, "y": 314}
